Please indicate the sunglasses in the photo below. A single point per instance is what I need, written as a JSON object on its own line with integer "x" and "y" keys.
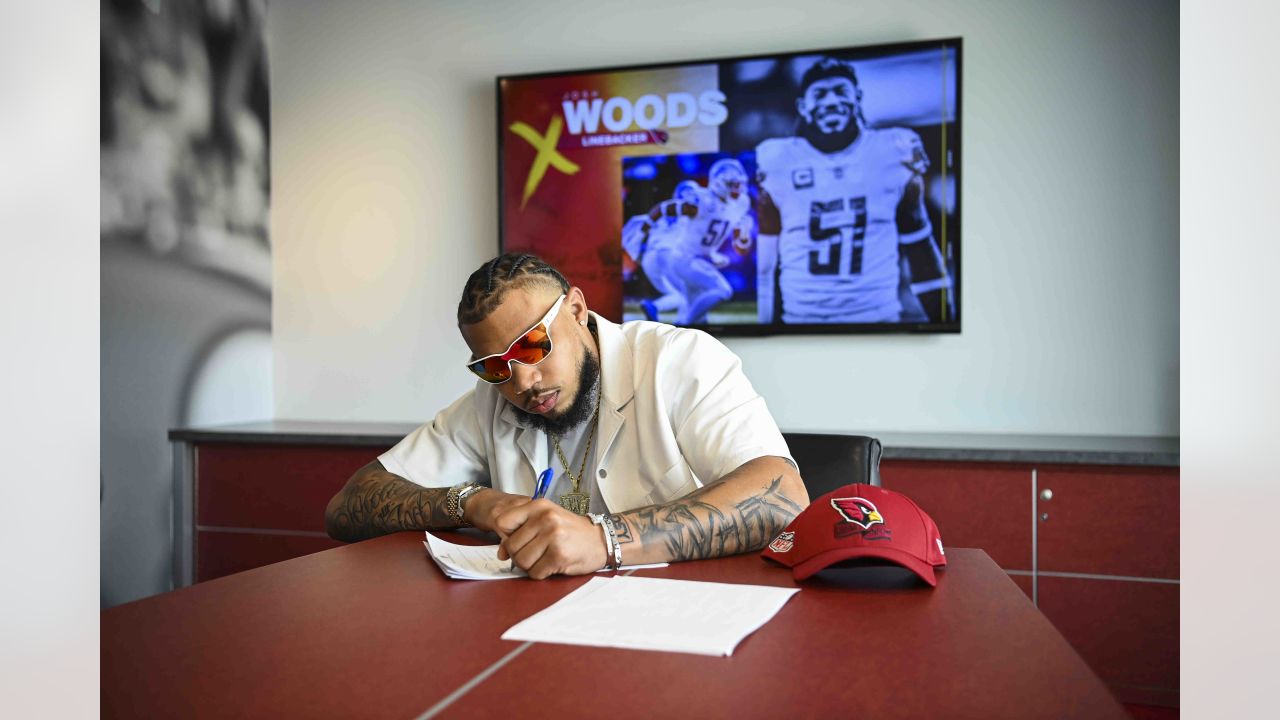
{"x": 532, "y": 347}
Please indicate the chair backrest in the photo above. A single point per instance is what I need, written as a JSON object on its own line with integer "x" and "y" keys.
{"x": 831, "y": 461}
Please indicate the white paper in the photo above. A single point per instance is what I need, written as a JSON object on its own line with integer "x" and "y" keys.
{"x": 641, "y": 613}
{"x": 470, "y": 562}
{"x": 480, "y": 562}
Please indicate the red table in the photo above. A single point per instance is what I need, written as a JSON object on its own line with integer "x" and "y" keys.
{"x": 374, "y": 630}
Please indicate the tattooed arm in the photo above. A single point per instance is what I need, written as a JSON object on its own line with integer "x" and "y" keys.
{"x": 739, "y": 513}
{"x": 376, "y": 502}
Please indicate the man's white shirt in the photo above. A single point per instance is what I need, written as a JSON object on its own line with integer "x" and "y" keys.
{"x": 676, "y": 413}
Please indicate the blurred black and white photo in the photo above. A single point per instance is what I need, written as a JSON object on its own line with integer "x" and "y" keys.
{"x": 185, "y": 256}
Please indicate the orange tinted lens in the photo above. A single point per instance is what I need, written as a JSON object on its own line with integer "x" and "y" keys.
{"x": 532, "y": 348}
{"x": 492, "y": 370}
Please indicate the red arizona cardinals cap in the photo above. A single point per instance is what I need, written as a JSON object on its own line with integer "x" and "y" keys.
{"x": 860, "y": 521}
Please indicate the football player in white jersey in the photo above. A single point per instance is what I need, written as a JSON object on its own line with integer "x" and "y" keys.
{"x": 639, "y": 230}
{"x": 840, "y": 204}
{"x": 682, "y": 239}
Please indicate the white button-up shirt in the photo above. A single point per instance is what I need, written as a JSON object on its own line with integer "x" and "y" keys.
{"x": 676, "y": 413}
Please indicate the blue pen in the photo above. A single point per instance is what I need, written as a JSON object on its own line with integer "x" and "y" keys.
{"x": 544, "y": 483}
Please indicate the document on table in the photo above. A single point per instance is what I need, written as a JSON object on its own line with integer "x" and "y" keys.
{"x": 640, "y": 613}
{"x": 480, "y": 562}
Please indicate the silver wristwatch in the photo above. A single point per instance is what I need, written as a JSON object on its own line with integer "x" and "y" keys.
{"x": 455, "y": 499}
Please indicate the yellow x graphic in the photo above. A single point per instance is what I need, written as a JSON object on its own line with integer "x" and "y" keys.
{"x": 547, "y": 154}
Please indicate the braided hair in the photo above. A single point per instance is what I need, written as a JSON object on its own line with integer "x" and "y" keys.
{"x": 488, "y": 285}
{"x": 828, "y": 67}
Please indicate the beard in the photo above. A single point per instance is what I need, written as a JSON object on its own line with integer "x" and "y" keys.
{"x": 830, "y": 142}
{"x": 583, "y": 406}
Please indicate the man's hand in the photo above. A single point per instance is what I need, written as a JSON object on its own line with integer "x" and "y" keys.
{"x": 544, "y": 539}
{"x": 483, "y": 508}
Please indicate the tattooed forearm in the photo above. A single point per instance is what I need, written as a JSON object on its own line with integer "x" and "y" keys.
{"x": 376, "y": 502}
{"x": 762, "y": 517}
{"x": 621, "y": 529}
{"x": 693, "y": 529}
{"x": 688, "y": 529}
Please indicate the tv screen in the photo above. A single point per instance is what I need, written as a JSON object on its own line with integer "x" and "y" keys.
{"x": 807, "y": 192}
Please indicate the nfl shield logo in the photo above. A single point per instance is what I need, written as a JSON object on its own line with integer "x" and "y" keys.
{"x": 783, "y": 542}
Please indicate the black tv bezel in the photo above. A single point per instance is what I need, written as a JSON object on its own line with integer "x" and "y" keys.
{"x": 756, "y": 329}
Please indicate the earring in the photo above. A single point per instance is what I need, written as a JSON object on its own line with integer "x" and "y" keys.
{"x": 582, "y": 322}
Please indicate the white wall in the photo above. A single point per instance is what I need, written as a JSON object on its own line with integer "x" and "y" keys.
{"x": 384, "y": 199}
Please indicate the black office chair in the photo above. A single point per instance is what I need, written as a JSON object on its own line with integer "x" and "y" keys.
{"x": 831, "y": 461}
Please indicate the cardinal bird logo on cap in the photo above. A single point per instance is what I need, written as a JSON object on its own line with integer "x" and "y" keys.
{"x": 859, "y": 511}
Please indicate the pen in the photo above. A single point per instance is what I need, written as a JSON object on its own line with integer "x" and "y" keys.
{"x": 544, "y": 483}
{"x": 539, "y": 491}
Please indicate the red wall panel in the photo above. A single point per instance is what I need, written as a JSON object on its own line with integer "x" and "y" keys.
{"x": 977, "y": 505}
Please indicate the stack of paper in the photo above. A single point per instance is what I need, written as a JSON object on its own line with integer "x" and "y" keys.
{"x": 480, "y": 562}
{"x": 470, "y": 562}
{"x": 639, "y": 613}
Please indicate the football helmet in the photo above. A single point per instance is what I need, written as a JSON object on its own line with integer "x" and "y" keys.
{"x": 687, "y": 191}
{"x": 727, "y": 179}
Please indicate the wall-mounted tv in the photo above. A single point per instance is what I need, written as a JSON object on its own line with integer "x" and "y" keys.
{"x": 806, "y": 192}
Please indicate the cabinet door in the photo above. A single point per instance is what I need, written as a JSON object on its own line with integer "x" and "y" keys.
{"x": 977, "y": 505}
{"x": 1109, "y": 521}
{"x": 278, "y": 487}
{"x": 260, "y": 504}
{"x": 1127, "y": 631}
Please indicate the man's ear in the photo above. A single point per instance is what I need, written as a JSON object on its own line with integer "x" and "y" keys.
{"x": 577, "y": 303}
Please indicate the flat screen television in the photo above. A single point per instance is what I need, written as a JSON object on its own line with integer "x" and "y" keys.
{"x": 806, "y": 192}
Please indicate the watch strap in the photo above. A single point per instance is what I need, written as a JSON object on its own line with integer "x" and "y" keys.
{"x": 455, "y": 499}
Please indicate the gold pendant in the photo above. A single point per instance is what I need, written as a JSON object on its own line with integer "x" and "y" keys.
{"x": 576, "y": 502}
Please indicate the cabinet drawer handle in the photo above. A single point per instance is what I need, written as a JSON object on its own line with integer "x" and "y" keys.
{"x": 1046, "y": 494}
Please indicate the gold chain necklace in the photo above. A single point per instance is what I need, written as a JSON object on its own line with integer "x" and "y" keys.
{"x": 575, "y": 501}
